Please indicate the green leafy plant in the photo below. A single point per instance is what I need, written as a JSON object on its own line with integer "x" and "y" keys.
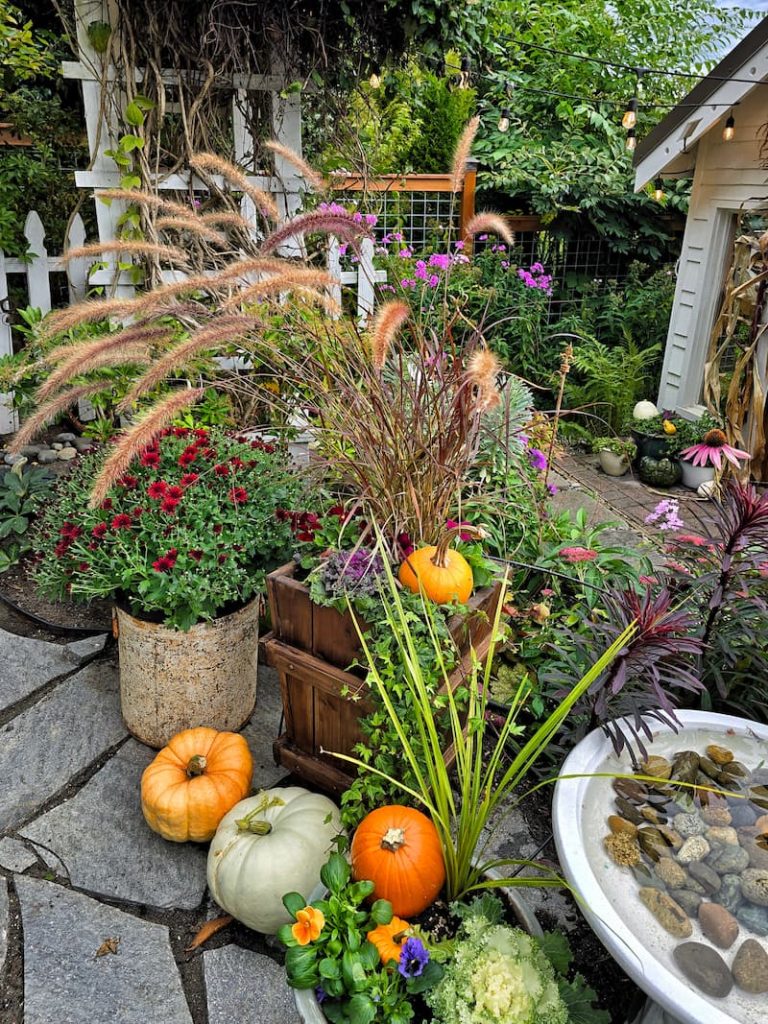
{"x": 462, "y": 802}
{"x": 188, "y": 530}
{"x": 616, "y": 445}
{"x": 340, "y": 961}
{"x": 23, "y": 490}
{"x": 610, "y": 380}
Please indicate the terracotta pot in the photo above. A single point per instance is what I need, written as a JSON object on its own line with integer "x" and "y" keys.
{"x": 171, "y": 680}
{"x": 613, "y": 464}
{"x": 311, "y": 1011}
{"x": 695, "y": 476}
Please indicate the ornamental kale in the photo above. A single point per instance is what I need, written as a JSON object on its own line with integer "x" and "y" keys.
{"x": 354, "y": 573}
{"x": 498, "y": 975}
{"x": 187, "y": 532}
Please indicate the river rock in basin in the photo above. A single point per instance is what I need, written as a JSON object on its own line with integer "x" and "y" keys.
{"x": 755, "y": 843}
{"x": 707, "y": 877}
{"x": 742, "y": 813}
{"x": 693, "y": 850}
{"x": 754, "y": 886}
{"x": 718, "y": 924}
{"x": 729, "y": 893}
{"x": 671, "y": 873}
{"x": 754, "y": 918}
{"x": 669, "y": 914}
{"x": 716, "y": 813}
{"x": 728, "y": 860}
{"x": 703, "y": 966}
{"x": 689, "y": 901}
{"x": 689, "y": 825}
{"x": 750, "y": 967}
{"x": 720, "y": 755}
{"x": 724, "y": 834}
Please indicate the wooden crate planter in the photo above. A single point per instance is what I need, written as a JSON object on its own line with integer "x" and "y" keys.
{"x": 322, "y": 702}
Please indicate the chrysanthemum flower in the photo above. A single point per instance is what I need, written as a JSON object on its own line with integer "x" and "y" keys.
{"x": 712, "y": 449}
{"x": 122, "y": 521}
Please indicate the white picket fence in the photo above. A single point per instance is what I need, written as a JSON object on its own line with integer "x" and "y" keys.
{"x": 36, "y": 268}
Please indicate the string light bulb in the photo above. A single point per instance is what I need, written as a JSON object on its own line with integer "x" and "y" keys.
{"x": 730, "y": 128}
{"x": 504, "y": 120}
{"x": 630, "y": 114}
{"x": 658, "y": 189}
{"x": 375, "y": 80}
{"x": 631, "y": 140}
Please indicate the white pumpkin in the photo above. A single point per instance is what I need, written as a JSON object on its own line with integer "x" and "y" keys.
{"x": 708, "y": 489}
{"x": 268, "y": 845}
{"x": 644, "y": 411}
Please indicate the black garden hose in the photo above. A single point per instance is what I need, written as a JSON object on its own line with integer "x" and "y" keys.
{"x": 52, "y": 627}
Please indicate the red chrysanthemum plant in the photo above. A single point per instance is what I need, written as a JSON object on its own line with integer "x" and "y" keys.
{"x": 211, "y": 272}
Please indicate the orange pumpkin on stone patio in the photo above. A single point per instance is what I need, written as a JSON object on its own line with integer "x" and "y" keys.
{"x": 398, "y": 849}
{"x": 193, "y": 782}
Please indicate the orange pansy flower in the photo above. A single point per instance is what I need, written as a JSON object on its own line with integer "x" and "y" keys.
{"x": 309, "y": 924}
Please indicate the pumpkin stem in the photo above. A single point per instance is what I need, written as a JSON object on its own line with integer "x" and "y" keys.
{"x": 250, "y": 823}
{"x": 440, "y": 557}
{"x": 197, "y": 765}
{"x": 393, "y": 839}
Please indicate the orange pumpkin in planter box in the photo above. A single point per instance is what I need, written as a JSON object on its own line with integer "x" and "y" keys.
{"x": 193, "y": 782}
{"x": 398, "y": 849}
{"x": 444, "y": 574}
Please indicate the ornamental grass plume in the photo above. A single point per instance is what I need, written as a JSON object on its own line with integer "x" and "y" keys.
{"x": 712, "y": 449}
{"x": 389, "y": 319}
{"x": 491, "y": 224}
{"x": 291, "y": 157}
{"x": 461, "y": 154}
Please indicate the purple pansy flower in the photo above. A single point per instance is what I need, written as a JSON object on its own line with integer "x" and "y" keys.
{"x": 414, "y": 957}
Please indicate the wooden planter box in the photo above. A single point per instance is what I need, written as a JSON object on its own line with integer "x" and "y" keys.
{"x": 322, "y": 702}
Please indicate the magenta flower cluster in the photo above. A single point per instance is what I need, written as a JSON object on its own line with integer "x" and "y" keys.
{"x": 536, "y": 278}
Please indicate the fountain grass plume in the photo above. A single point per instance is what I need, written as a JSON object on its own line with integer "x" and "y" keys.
{"x": 461, "y": 154}
{"x": 193, "y": 226}
{"x": 141, "y": 434}
{"x": 490, "y": 223}
{"x": 49, "y": 410}
{"x": 96, "y": 250}
{"x": 209, "y": 163}
{"x": 308, "y": 173}
{"x": 389, "y": 319}
{"x": 343, "y": 225}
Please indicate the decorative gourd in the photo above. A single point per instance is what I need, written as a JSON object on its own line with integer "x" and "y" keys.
{"x": 268, "y": 845}
{"x": 193, "y": 782}
{"x": 659, "y": 472}
{"x": 644, "y": 411}
{"x": 398, "y": 849}
{"x": 389, "y": 938}
{"x": 669, "y": 427}
{"x": 444, "y": 574}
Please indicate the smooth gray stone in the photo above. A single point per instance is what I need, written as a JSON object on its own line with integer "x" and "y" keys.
{"x": 106, "y": 846}
{"x": 4, "y": 922}
{"x": 11, "y": 460}
{"x": 14, "y": 855}
{"x": 263, "y": 728}
{"x": 66, "y": 438}
{"x": 83, "y": 444}
{"x": 47, "y": 455}
{"x": 46, "y": 745}
{"x": 87, "y": 647}
{"x": 26, "y": 665}
{"x": 66, "y": 983}
{"x": 57, "y": 446}
{"x": 68, "y": 453}
{"x": 246, "y": 987}
{"x": 30, "y": 451}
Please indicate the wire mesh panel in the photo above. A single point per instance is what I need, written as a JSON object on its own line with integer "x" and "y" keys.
{"x": 424, "y": 219}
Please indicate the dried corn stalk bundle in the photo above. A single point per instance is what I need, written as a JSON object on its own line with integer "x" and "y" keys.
{"x": 740, "y": 339}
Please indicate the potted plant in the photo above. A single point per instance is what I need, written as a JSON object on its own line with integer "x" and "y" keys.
{"x": 616, "y": 454}
{"x": 181, "y": 544}
{"x": 708, "y": 453}
{"x": 403, "y": 858}
{"x": 652, "y": 431}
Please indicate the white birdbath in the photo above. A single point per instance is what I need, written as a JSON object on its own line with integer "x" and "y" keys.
{"x": 609, "y": 893}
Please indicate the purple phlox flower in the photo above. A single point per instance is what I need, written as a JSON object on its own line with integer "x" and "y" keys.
{"x": 405, "y": 254}
{"x": 371, "y": 220}
{"x": 461, "y": 258}
{"x": 441, "y": 260}
{"x": 381, "y": 250}
{"x": 387, "y": 287}
{"x": 482, "y": 238}
{"x": 421, "y": 270}
{"x": 552, "y": 488}
{"x": 434, "y": 281}
{"x": 505, "y": 264}
{"x": 459, "y": 244}
{"x": 414, "y": 957}
{"x": 407, "y": 282}
{"x": 666, "y": 515}
{"x": 397, "y": 236}
{"x": 538, "y": 459}
{"x": 343, "y": 249}
{"x": 536, "y": 268}
{"x": 335, "y": 208}
{"x": 451, "y": 524}
{"x": 357, "y": 217}
{"x": 196, "y": 204}
{"x": 386, "y": 239}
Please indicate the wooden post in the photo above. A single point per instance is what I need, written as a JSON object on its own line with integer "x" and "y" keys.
{"x": 467, "y": 210}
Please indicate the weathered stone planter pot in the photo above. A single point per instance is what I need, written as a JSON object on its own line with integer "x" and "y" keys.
{"x": 171, "y": 680}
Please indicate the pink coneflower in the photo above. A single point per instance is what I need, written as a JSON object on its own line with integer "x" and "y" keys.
{"x": 574, "y": 555}
{"x": 712, "y": 449}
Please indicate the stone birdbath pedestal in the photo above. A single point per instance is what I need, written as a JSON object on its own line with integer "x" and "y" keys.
{"x": 689, "y": 922}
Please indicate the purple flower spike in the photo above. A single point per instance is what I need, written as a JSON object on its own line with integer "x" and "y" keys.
{"x": 414, "y": 957}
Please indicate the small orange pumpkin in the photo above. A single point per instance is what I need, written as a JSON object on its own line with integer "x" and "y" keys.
{"x": 398, "y": 849}
{"x": 443, "y": 574}
{"x": 389, "y": 938}
{"x": 193, "y": 782}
